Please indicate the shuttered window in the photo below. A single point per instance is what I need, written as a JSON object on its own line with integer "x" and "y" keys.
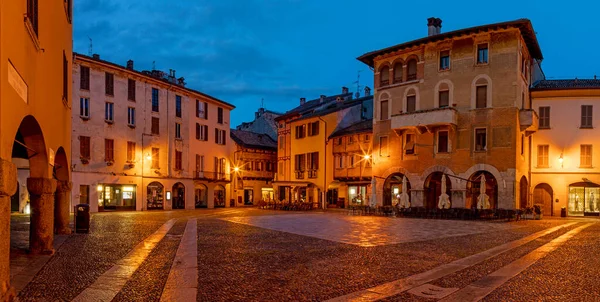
{"x": 411, "y": 105}
{"x": 155, "y": 126}
{"x": 542, "y": 156}
{"x": 84, "y": 147}
{"x": 481, "y": 96}
{"x": 586, "y": 116}
{"x": 109, "y": 150}
{"x": 84, "y": 78}
{"x": 585, "y": 160}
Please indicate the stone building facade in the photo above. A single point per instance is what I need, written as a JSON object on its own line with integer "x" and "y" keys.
{"x": 264, "y": 122}
{"x": 456, "y": 105}
{"x": 255, "y": 159}
{"x": 35, "y": 59}
{"x": 144, "y": 141}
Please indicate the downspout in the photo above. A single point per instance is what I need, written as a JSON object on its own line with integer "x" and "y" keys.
{"x": 324, "y": 195}
{"x": 168, "y": 136}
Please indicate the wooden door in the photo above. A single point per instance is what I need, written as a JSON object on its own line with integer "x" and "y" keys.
{"x": 542, "y": 194}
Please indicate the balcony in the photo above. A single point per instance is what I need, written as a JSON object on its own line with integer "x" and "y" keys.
{"x": 528, "y": 120}
{"x": 425, "y": 120}
{"x": 299, "y": 174}
{"x": 313, "y": 173}
{"x": 212, "y": 176}
{"x": 356, "y": 173}
{"x": 256, "y": 175}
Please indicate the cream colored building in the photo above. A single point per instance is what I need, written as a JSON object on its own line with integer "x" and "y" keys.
{"x": 144, "y": 141}
{"x": 35, "y": 128}
{"x": 566, "y": 164}
{"x": 456, "y": 105}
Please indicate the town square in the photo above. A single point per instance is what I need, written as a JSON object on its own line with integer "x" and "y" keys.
{"x": 298, "y": 150}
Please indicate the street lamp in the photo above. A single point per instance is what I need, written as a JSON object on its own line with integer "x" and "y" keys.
{"x": 367, "y": 156}
{"x": 236, "y": 169}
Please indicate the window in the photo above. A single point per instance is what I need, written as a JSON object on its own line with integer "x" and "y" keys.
{"x": 542, "y": 156}
{"x": 178, "y": 106}
{"x": 154, "y": 100}
{"x": 339, "y": 161}
{"x": 32, "y": 14}
{"x": 177, "y": 131}
{"x": 108, "y": 112}
{"x": 201, "y": 132}
{"x": 269, "y": 166}
{"x": 586, "y": 116}
{"x": 178, "y": 157}
{"x": 444, "y": 98}
{"x": 313, "y": 161}
{"x": 220, "y": 115}
{"x": 384, "y": 110}
{"x": 481, "y": 96}
{"x": 201, "y": 109}
{"x": 281, "y": 169}
{"x": 131, "y": 116}
{"x": 544, "y": 117}
{"x": 412, "y": 70}
{"x": 442, "y": 143}
{"x": 65, "y": 78}
{"x": 199, "y": 163}
{"x": 350, "y": 140}
{"x": 409, "y": 143}
{"x": 383, "y": 146}
{"x": 384, "y": 76}
{"x": 130, "y": 152}
{"x": 398, "y": 72}
{"x": 84, "y": 78}
{"x": 155, "y": 126}
{"x": 131, "y": 90}
{"x": 281, "y": 142}
{"x": 480, "y": 139}
{"x": 445, "y": 60}
{"x": 109, "y": 87}
{"x": 84, "y": 147}
{"x": 585, "y": 160}
{"x": 220, "y": 136}
{"x": 300, "y": 162}
{"x": 338, "y": 141}
{"x": 313, "y": 128}
{"x": 84, "y": 108}
{"x": 411, "y": 102}
{"x": 84, "y": 194}
{"x": 522, "y": 144}
{"x": 482, "y": 53}
{"x": 351, "y": 157}
{"x": 259, "y": 166}
{"x": 300, "y": 131}
{"x": 155, "y": 162}
{"x": 109, "y": 150}
{"x": 367, "y": 137}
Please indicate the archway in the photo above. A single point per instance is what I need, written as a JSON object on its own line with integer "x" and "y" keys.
{"x": 201, "y": 196}
{"x": 523, "y": 192}
{"x": 219, "y": 196}
{"x": 433, "y": 189}
{"x": 543, "y": 195}
{"x": 15, "y": 200}
{"x": 62, "y": 197}
{"x": 392, "y": 187}
{"x": 178, "y": 196}
{"x": 473, "y": 189}
{"x": 155, "y": 196}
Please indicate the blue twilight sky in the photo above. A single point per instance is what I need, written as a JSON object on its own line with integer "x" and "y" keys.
{"x": 242, "y": 51}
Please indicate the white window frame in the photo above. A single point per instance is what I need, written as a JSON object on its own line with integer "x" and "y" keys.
{"x": 109, "y": 115}
{"x": 84, "y": 111}
{"x": 131, "y": 116}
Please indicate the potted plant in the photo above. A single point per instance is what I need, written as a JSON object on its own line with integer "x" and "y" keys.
{"x": 538, "y": 211}
{"x": 528, "y": 213}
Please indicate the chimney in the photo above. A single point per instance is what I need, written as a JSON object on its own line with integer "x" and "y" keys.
{"x": 96, "y": 56}
{"x": 438, "y": 25}
{"x": 130, "y": 64}
{"x": 302, "y": 101}
{"x": 367, "y": 91}
{"x": 344, "y": 90}
{"x": 322, "y": 99}
{"x": 434, "y": 26}
{"x": 181, "y": 81}
{"x": 339, "y": 99}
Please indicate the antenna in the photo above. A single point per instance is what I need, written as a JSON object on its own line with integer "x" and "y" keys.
{"x": 262, "y": 103}
{"x": 153, "y": 65}
{"x": 357, "y": 82}
{"x": 91, "y": 49}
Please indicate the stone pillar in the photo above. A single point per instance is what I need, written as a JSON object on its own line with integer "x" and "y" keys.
{"x": 8, "y": 187}
{"x": 41, "y": 236}
{"x": 62, "y": 207}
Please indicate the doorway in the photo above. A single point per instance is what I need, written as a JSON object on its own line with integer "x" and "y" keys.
{"x": 248, "y": 197}
{"x": 178, "y": 196}
{"x": 543, "y": 195}
{"x": 14, "y": 200}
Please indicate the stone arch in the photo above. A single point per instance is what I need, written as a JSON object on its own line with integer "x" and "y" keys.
{"x": 398, "y": 68}
{"x": 411, "y": 67}
{"x": 413, "y": 179}
{"x": 523, "y": 192}
{"x": 384, "y": 97}
{"x": 62, "y": 196}
{"x": 443, "y": 169}
{"x": 409, "y": 91}
{"x": 485, "y": 167}
{"x": 437, "y": 89}
{"x": 432, "y": 188}
{"x": 392, "y": 186}
{"x": 384, "y": 74}
{"x": 491, "y": 189}
{"x": 178, "y": 198}
{"x": 482, "y": 79}
{"x": 543, "y": 194}
{"x": 30, "y": 139}
{"x": 155, "y": 196}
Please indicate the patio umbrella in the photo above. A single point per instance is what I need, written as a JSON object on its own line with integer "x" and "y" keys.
{"x": 483, "y": 201}
{"x": 444, "y": 202}
{"x": 404, "y": 198}
{"x": 373, "y": 201}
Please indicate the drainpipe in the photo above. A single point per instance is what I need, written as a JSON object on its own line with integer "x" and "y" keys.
{"x": 168, "y": 137}
{"x": 323, "y": 194}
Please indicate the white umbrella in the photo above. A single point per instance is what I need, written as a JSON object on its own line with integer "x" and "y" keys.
{"x": 444, "y": 200}
{"x": 404, "y": 198}
{"x": 373, "y": 201}
{"x": 483, "y": 200}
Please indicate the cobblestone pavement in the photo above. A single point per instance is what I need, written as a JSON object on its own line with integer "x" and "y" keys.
{"x": 260, "y": 255}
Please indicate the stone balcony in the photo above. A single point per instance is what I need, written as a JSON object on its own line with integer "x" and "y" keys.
{"x": 528, "y": 120}
{"x": 425, "y": 120}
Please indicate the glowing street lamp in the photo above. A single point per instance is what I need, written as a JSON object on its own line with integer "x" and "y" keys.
{"x": 148, "y": 156}
{"x": 367, "y": 156}
{"x": 236, "y": 169}
{"x": 560, "y": 160}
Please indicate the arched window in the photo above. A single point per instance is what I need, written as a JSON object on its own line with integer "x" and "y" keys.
{"x": 384, "y": 76}
{"x": 155, "y": 197}
{"x": 411, "y": 65}
{"x": 481, "y": 92}
{"x": 398, "y": 72}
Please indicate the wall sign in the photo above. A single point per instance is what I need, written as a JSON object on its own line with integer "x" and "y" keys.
{"x": 16, "y": 81}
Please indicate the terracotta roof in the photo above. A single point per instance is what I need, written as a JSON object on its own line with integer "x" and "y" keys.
{"x": 567, "y": 84}
{"x": 333, "y": 107}
{"x": 523, "y": 24}
{"x": 359, "y": 127}
{"x": 253, "y": 140}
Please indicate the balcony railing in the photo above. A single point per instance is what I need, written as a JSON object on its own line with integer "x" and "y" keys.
{"x": 384, "y": 82}
{"x": 423, "y": 119}
{"x": 397, "y": 80}
{"x": 212, "y": 176}
{"x": 411, "y": 77}
{"x": 299, "y": 174}
{"x": 313, "y": 173}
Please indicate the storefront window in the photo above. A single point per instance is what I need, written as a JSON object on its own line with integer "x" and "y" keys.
{"x": 301, "y": 194}
{"x": 116, "y": 197}
{"x": 267, "y": 194}
{"x": 219, "y": 196}
{"x": 155, "y": 196}
{"x": 584, "y": 200}
{"x": 357, "y": 195}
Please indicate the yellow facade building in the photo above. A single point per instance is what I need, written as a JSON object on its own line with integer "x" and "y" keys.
{"x": 35, "y": 128}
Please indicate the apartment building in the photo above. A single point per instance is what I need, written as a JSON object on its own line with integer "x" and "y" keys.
{"x": 144, "y": 141}
{"x": 264, "y": 122}
{"x": 456, "y": 105}
{"x": 255, "y": 159}
{"x": 566, "y": 167}
{"x": 304, "y": 154}
{"x": 35, "y": 59}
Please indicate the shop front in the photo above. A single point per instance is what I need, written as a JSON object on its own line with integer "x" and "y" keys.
{"x": 115, "y": 197}
{"x": 584, "y": 199}
{"x": 267, "y": 194}
{"x": 155, "y": 197}
{"x": 357, "y": 195}
{"x": 219, "y": 196}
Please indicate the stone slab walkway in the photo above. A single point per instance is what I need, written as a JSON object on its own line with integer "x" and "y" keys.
{"x": 182, "y": 283}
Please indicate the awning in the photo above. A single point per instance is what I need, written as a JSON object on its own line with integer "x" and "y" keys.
{"x": 334, "y": 184}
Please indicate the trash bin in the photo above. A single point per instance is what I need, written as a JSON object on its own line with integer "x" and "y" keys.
{"x": 82, "y": 218}
{"x": 563, "y": 212}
